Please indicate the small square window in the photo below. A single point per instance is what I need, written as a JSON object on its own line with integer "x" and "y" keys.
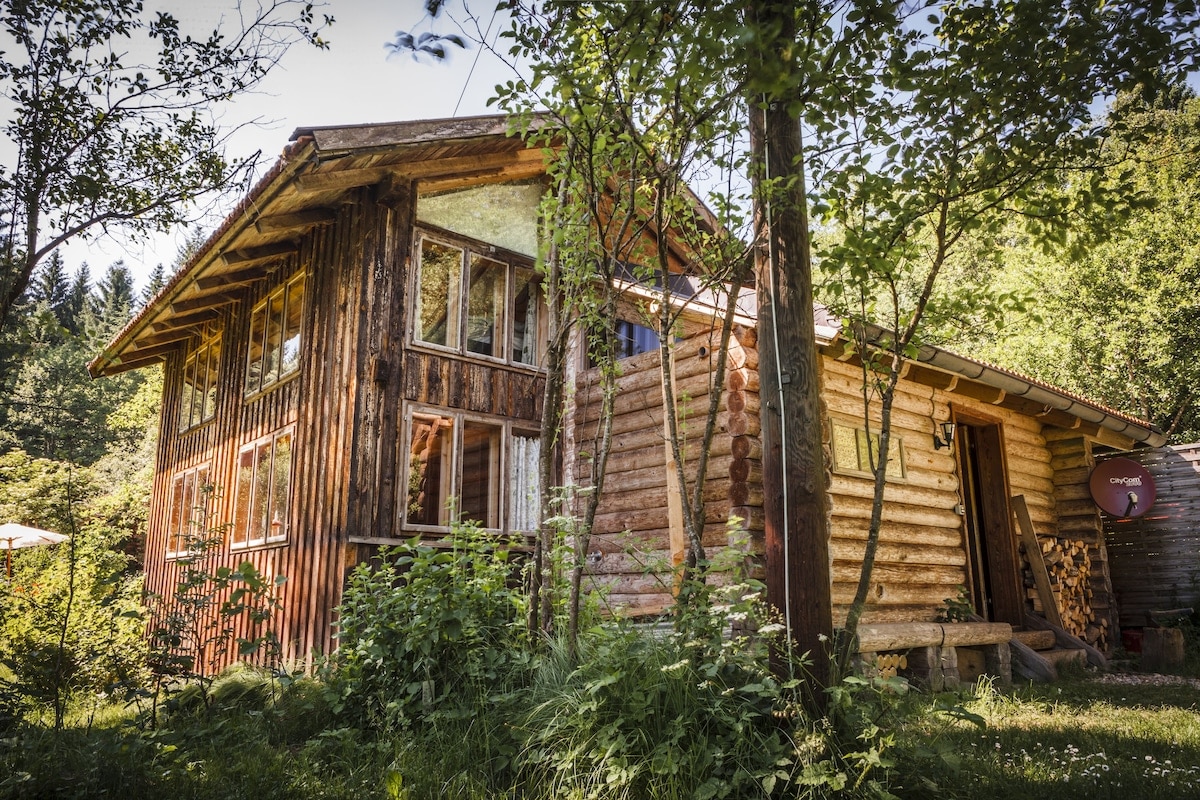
{"x": 852, "y": 451}
{"x": 479, "y": 469}
{"x": 478, "y": 305}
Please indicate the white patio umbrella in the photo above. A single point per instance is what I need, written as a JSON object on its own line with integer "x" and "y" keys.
{"x": 14, "y": 536}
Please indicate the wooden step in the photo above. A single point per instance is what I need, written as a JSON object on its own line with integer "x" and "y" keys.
{"x": 1036, "y": 640}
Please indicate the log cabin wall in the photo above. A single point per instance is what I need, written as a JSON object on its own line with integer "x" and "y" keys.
{"x": 632, "y": 549}
{"x": 922, "y": 557}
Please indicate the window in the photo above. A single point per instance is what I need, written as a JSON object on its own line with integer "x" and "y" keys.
{"x": 850, "y": 452}
{"x": 275, "y": 337}
{"x": 632, "y": 339}
{"x": 198, "y": 400}
{"x": 486, "y": 471}
{"x": 264, "y": 477}
{"x": 187, "y": 518}
{"x": 478, "y": 304}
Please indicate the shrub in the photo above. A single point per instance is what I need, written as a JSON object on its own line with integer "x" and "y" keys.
{"x": 431, "y": 631}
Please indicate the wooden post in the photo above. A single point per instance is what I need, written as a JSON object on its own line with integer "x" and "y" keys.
{"x": 796, "y": 543}
{"x": 1037, "y": 564}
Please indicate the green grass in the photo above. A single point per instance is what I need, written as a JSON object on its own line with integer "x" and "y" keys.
{"x": 1077, "y": 738}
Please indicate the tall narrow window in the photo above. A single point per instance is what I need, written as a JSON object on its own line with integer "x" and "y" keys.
{"x": 275, "y": 333}
{"x": 431, "y": 448}
{"x": 479, "y": 474}
{"x": 529, "y": 319}
{"x": 485, "y": 306}
{"x": 198, "y": 399}
{"x": 262, "y": 503}
{"x": 438, "y": 293}
{"x": 524, "y": 497}
{"x": 187, "y": 519}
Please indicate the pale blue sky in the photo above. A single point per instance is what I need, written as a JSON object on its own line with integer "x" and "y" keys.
{"x": 354, "y": 81}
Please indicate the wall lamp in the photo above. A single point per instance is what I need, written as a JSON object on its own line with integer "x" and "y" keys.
{"x": 947, "y": 437}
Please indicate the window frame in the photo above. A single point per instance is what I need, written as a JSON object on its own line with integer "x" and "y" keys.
{"x": 507, "y": 429}
{"x": 278, "y": 376}
{"x": 195, "y": 480}
{"x": 460, "y": 305}
{"x": 242, "y": 515}
{"x": 862, "y": 465}
{"x": 209, "y": 342}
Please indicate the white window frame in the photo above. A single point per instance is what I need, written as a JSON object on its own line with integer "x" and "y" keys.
{"x": 459, "y": 303}
{"x": 241, "y": 514}
{"x": 189, "y": 510}
{"x": 503, "y": 499}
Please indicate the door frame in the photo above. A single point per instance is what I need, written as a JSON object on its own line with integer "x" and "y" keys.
{"x": 1003, "y": 560}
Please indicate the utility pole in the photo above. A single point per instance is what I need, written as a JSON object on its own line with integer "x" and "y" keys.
{"x": 796, "y": 506}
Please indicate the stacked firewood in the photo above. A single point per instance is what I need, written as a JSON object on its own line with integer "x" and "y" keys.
{"x": 1069, "y": 567}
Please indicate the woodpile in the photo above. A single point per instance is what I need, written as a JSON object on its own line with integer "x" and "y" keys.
{"x": 1069, "y": 566}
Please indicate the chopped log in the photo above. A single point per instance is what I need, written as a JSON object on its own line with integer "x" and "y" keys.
{"x": 1029, "y": 664}
{"x": 908, "y": 635}
{"x": 1068, "y": 641}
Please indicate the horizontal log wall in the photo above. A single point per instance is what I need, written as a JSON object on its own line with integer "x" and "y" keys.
{"x": 631, "y": 550}
{"x": 922, "y": 558}
{"x": 1154, "y": 558}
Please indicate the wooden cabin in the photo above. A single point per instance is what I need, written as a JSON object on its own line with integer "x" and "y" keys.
{"x": 360, "y": 343}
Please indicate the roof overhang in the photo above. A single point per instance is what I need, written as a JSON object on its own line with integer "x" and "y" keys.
{"x": 988, "y": 383}
{"x": 315, "y": 176}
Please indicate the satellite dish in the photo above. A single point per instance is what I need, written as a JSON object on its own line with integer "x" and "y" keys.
{"x": 1122, "y": 488}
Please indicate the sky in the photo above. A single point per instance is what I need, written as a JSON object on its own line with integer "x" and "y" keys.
{"x": 355, "y": 81}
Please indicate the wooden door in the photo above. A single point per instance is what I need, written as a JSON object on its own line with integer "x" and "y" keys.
{"x": 993, "y": 565}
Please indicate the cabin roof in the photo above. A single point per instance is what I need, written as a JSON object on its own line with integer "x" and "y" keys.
{"x": 321, "y": 165}
{"x": 302, "y": 191}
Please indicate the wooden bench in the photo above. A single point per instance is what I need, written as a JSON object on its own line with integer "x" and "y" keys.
{"x": 938, "y": 655}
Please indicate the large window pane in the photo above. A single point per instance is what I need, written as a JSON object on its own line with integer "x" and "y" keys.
{"x": 503, "y": 214}
{"x": 430, "y": 450}
{"x": 439, "y": 284}
{"x": 527, "y": 332}
{"x": 177, "y": 516}
{"x": 479, "y": 493}
{"x": 281, "y": 472}
{"x": 294, "y": 308}
{"x": 485, "y": 306}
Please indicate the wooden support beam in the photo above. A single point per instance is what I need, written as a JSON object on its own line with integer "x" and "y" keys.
{"x": 297, "y": 220}
{"x": 338, "y": 181}
{"x": 202, "y": 302}
{"x": 244, "y": 257}
{"x": 1033, "y": 552}
{"x": 184, "y": 320}
{"x": 242, "y": 277}
{"x": 979, "y": 391}
{"x": 170, "y": 335}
